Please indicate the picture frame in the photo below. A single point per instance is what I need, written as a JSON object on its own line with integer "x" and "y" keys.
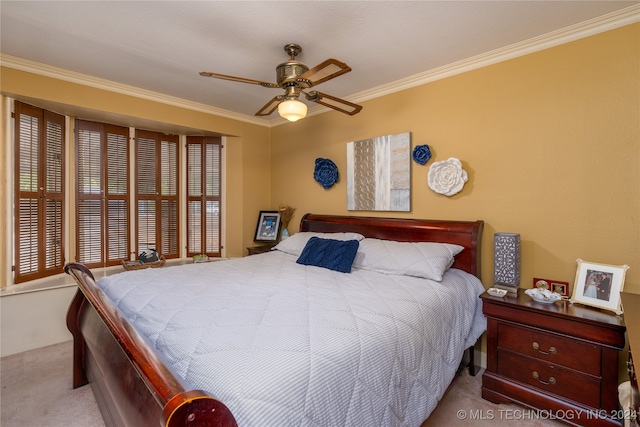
{"x": 268, "y": 227}
{"x": 556, "y": 286}
{"x": 388, "y": 185}
{"x": 561, "y": 288}
{"x": 599, "y": 285}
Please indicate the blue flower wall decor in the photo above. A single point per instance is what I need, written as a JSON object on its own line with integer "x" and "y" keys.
{"x": 421, "y": 154}
{"x": 325, "y": 173}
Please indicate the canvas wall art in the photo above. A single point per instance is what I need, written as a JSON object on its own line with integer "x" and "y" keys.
{"x": 379, "y": 173}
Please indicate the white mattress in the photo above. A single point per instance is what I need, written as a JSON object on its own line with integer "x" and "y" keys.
{"x": 282, "y": 344}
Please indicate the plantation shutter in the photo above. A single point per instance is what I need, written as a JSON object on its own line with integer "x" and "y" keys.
{"x": 102, "y": 196}
{"x": 157, "y": 193}
{"x": 89, "y": 200}
{"x": 203, "y": 195}
{"x": 39, "y": 180}
{"x": 117, "y": 194}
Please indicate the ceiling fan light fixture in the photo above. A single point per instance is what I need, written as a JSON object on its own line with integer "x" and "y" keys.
{"x": 295, "y": 77}
{"x": 292, "y": 110}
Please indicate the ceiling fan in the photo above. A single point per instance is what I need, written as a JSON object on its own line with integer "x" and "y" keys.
{"x": 295, "y": 77}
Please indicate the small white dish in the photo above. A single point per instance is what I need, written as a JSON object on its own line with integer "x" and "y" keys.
{"x": 497, "y": 292}
{"x": 544, "y": 296}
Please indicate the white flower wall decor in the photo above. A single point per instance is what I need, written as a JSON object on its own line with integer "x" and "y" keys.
{"x": 447, "y": 177}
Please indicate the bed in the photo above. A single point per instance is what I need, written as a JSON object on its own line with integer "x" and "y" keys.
{"x": 317, "y": 347}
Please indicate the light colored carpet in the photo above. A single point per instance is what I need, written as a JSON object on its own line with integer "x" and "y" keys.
{"x": 463, "y": 405}
{"x": 36, "y": 391}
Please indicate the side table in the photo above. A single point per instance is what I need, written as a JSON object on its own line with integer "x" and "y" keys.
{"x": 561, "y": 358}
{"x": 254, "y": 250}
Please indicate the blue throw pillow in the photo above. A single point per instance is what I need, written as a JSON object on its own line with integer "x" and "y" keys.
{"x": 337, "y": 255}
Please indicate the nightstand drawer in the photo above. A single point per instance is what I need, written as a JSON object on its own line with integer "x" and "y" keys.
{"x": 551, "y": 348}
{"x": 578, "y": 388}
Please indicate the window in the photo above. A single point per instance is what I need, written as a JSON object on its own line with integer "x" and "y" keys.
{"x": 102, "y": 209}
{"x": 203, "y": 195}
{"x": 157, "y": 193}
{"x": 39, "y": 195}
{"x": 120, "y": 208}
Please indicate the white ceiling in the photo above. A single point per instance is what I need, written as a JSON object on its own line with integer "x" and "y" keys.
{"x": 160, "y": 46}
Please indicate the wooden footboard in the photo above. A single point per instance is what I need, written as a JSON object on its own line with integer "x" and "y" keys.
{"x": 132, "y": 385}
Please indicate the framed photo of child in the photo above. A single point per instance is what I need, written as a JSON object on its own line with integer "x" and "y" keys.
{"x": 599, "y": 285}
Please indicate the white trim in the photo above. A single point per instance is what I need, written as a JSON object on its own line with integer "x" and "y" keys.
{"x": 584, "y": 29}
{"x": 588, "y": 28}
{"x": 223, "y": 196}
{"x": 63, "y": 280}
{"x": 69, "y": 187}
{"x": 620, "y": 18}
{"x": 482, "y": 359}
{"x": 182, "y": 195}
{"x": 9, "y": 196}
{"x": 98, "y": 83}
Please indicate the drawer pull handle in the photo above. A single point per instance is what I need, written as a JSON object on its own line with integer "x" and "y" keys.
{"x": 537, "y": 376}
{"x": 536, "y": 347}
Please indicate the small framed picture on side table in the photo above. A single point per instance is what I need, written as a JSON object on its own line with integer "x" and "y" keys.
{"x": 268, "y": 227}
{"x": 599, "y": 285}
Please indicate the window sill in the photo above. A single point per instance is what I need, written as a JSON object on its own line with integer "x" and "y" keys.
{"x": 58, "y": 281}
{"x": 65, "y": 281}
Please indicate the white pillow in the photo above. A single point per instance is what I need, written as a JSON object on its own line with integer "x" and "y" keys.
{"x": 295, "y": 243}
{"x": 429, "y": 260}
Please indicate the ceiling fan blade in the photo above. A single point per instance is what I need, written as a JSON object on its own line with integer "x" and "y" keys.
{"x": 270, "y": 106}
{"x": 332, "y": 102}
{"x": 237, "y": 79}
{"x": 324, "y": 71}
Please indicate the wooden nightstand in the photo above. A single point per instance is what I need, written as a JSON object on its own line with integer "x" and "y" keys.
{"x": 559, "y": 358}
{"x": 254, "y": 250}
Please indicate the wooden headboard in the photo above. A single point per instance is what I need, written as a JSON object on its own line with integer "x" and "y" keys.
{"x": 463, "y": 233}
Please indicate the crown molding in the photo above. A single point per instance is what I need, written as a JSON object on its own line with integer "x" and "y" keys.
{"x": 588, "y": 28}
{"x": 620, "y": 18}
{"x": 98, "y": 83}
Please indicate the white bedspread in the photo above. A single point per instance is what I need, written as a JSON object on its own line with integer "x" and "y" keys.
{"x": 283, "y": 344}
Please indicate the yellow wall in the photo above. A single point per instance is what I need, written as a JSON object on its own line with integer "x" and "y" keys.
{"x": 247, "y": 173}
{"x": 551, "y": 143}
